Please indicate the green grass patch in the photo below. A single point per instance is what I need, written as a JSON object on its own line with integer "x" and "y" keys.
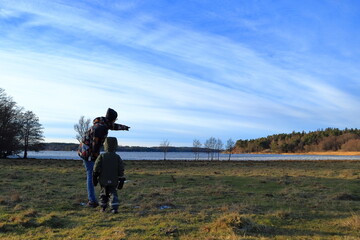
{"x": 43, "y": 199}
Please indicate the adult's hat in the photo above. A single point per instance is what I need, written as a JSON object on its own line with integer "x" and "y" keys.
{"x": 111, "y": 114}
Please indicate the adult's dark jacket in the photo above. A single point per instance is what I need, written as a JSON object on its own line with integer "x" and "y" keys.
{"x": 89, "y": 148}
{"x": 100, "y": 129}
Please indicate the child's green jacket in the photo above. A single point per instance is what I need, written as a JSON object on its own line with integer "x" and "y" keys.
{"x": 108, "y": 165}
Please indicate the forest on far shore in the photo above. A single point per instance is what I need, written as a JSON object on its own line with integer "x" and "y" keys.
{"x": 322, "y": 140}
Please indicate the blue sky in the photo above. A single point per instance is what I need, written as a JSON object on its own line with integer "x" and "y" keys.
{"x": 184, "y": 70}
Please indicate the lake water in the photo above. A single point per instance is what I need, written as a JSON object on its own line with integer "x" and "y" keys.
{"x": 190, "y": 156}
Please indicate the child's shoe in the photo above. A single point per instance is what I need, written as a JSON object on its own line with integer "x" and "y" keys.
{"x": 115, "y": 211}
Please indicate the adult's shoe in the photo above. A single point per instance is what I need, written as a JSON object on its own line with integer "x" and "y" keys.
{"x": 92, "y": 204}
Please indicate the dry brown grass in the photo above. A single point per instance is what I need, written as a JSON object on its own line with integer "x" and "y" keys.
{"x": 352, "y": 222}
{"x": 235, "y": 225}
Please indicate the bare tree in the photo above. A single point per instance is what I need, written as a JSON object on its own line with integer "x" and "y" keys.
{"x": 207, "y": 148}
{"x": 9, "y": 125}
{"x": 31, "y": 132}
{"x": 210, "y": 147}
{"x": 230, "y": 147}
{"x": 164, "y": 145}
{"x": 81, "y": 127}
{"x": 219, "y": 146}
{"x": 196, "y": 148}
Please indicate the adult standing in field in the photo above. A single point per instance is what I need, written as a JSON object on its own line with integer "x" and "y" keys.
{"x": 90, "y": 146}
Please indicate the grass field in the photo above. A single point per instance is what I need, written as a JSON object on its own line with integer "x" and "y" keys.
{"x": 43, "y": 199}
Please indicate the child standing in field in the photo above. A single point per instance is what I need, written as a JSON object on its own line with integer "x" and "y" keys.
{"x": 109, "y": 172}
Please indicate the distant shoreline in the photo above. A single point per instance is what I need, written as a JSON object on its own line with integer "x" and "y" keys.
{"x": 335, "y": 153}
{"x": 203, "y": 156}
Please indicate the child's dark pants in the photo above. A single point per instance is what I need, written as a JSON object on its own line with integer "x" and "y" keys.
{"x": 108, "y": 195}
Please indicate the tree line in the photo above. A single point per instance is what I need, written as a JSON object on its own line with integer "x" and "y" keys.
{"x": 20, "y": 130}
{"x": 213, "y": 147}
{"x": 329, "y": 139}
